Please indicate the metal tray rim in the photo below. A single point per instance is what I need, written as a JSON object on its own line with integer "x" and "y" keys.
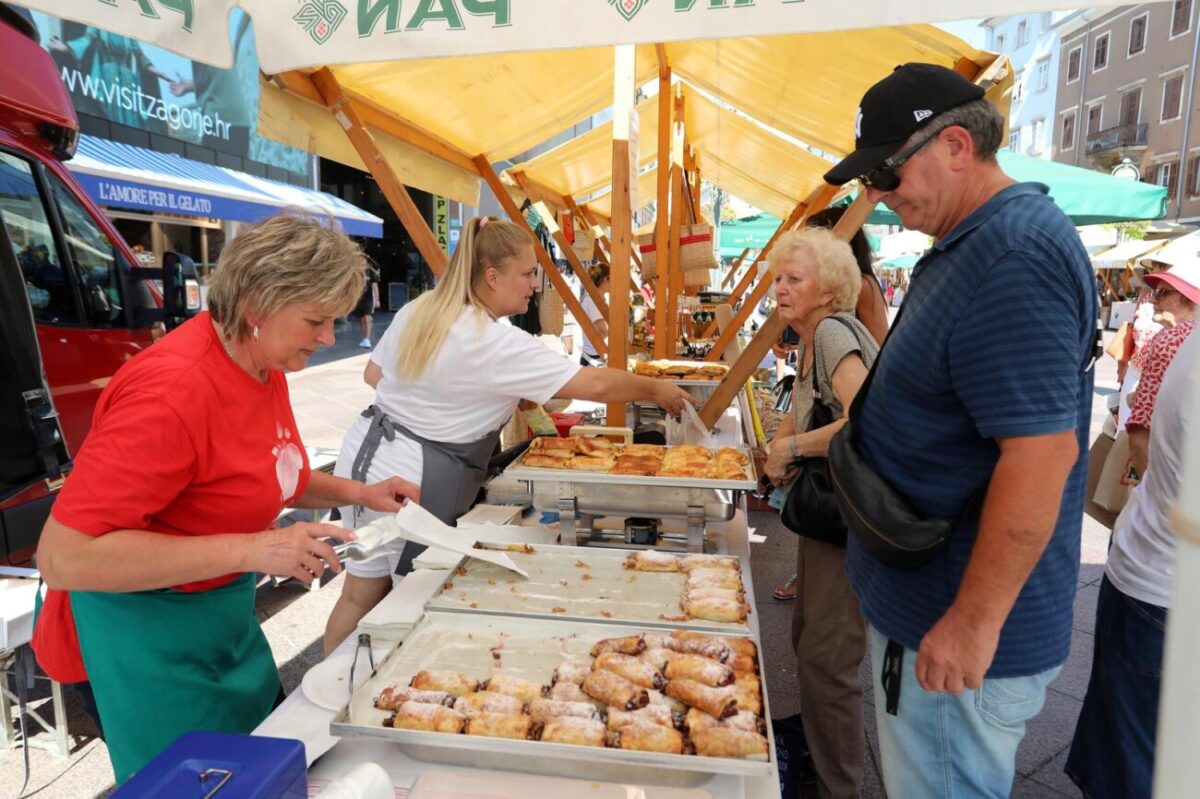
{"x": 533, "y": 474}
{"x": 603, "y": 756}
{"x": 699, "y": 625}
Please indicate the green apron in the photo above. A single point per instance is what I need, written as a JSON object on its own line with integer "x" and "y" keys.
{"x": 162, "y": 663}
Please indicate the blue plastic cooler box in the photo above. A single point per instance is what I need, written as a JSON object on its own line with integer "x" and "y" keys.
{"x": 263, "y": 768}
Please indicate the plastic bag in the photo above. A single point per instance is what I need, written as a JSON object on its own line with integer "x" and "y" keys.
{"x": 688, "y": 429}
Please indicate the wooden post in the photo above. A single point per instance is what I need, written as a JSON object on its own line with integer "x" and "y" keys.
{"x": 547, "y": 215}
{"x": 624, "y": 69}
{"x": 772, "y": 328}
{"x": 733, "y": 269}
{"x": 662, "y": 323}
{"x": 674, "y": 282}
{"x": 348, "y": 117}
{"x": 548, "y": 266}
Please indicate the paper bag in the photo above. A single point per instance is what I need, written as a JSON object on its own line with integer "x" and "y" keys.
{"x": 1118, "y": 478}
{"x": 1097, "y": 456}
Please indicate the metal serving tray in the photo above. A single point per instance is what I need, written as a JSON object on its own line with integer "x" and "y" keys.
{"x": 519, "y": 471}
{"x": 532, "y": 649}
{"x": 572, "y": 584}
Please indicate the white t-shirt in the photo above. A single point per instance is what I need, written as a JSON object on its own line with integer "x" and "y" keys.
{"x": 1141, "y": 563}
{"x": 471, "y": 389}
{"x": 592, "y": 312}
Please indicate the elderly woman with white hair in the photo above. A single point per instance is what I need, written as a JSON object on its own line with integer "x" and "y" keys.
{"x": 152, "y": 548}
{"x": 817, "y": 282}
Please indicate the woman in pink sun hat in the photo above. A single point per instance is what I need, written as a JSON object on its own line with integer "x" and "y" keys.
{"x": 1176, "y": 294}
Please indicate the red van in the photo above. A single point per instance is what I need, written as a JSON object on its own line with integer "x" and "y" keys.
{"x": 74, "y": 304}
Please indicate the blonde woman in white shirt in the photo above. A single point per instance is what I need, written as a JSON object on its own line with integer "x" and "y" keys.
{"x": 448, "y": 374}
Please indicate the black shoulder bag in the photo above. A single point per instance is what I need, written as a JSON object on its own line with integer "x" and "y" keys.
{"x": 881, "y": 520}
{"x": 811, "y": 508}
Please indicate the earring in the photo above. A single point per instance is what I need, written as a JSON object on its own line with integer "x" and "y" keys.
{"x": 254, "y": 332}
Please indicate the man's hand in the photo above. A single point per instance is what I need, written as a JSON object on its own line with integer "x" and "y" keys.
{"x": 956, "y": 653}
{"x": 672, "y": 398}
{"x": 388, "y": 495}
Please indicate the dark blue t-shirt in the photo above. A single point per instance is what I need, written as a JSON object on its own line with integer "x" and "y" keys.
{"x": 997, "y": 329}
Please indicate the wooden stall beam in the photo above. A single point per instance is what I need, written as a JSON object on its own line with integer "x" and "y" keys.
{"x": 305, "y": 86}
{"x": 624, "y": 154}
{"x": 737, "y": 262}
{"x": 484, "y": 167}
{"x": 741, "y": 370}
{"x": 662, "y": 324}
{"x": 347, "y": 114}
{"x": 560, "y": 238}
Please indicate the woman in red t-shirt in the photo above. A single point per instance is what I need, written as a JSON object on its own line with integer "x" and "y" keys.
{"x": 151, "y": 548}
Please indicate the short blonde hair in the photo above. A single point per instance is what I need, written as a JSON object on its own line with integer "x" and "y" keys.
{"x": 292, "y": 258}
{"x": 833, "y": 263}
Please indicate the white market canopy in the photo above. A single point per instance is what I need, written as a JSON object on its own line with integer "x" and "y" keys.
{"x": 306, "y": 33}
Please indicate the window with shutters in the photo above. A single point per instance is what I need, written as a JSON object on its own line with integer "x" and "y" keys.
{"x": 1172, "y": 96}
{"x": 1066, "y": 139}
{"x": 1168, "y": 175}
{"x": 1039, "y": 136}
{"x": 1022, "y": 33}
{"x": 1074, "y": 59}
{"x": 1018, "y": 89}
{"x": 1181, "y": 18}
{"x": 999, "y": 44}
{"x": 1041, "y": 75}
{"x": 1193, "y": 176}
{"x": 1095, "y": 115}
{"x": 1131, "y": 107}
{"x": 1137, "y": 34}
{"x": 1014, "y": 141}
{"x": 1100, "y": 59}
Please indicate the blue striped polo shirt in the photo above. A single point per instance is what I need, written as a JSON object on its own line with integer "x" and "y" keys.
{"x": 997, "y": 329}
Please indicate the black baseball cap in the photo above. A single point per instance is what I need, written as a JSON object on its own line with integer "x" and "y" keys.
{"x": 897, "y": 107}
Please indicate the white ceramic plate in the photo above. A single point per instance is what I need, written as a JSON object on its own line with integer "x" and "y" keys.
{"x": 327, "y": 683}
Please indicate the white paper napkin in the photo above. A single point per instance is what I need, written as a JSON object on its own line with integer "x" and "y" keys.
{"x": 397, "y": 612}
{"x": 364, "y": 781}
{"x": 422, "y": 527}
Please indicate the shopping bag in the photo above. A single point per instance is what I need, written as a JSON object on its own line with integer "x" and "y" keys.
{"x": 1118, "y": 478}
{"x": 1097, "y": 456}
{"x": 688, "y": 429}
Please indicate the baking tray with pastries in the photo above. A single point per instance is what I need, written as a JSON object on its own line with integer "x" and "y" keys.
{"x": 689, "y": 371}
{"x": 603, "y": 456}
{"x": 700, "y": 591}
{"x": 679, "y": 697}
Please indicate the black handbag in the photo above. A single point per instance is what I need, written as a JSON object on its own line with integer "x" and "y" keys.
{"x": 811, "y": 508}
{"x": 882, "y": 521}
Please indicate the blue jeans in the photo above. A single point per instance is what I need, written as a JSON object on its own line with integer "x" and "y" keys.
{"x": 942, "y": 746}
{"x": 1113, "y": 750}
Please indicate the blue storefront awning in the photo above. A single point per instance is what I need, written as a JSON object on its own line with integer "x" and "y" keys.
{"x": 124, "y": 176}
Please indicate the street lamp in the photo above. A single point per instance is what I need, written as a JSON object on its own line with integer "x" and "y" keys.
{"x": 1126, "y": 170}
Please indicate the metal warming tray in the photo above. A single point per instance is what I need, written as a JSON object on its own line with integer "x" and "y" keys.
{"x": 570, "y": 492}
{"x": 571, "y": 584}
{"x": 532, "y": 649}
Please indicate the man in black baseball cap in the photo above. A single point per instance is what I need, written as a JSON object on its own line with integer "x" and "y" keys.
{"x": 971, "y": 637}
{"x": 896, "y": 108}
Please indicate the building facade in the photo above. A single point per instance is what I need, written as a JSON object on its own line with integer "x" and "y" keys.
{"x": 1126, "y": 97}
{"x": 1031, "y": 43}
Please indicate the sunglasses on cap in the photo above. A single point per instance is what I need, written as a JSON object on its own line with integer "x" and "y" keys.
{"x": 884, "y": 177}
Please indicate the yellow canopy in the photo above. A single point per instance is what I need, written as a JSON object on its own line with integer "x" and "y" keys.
{"x": 804, "y": 85}
{"x": 808, "y": 85}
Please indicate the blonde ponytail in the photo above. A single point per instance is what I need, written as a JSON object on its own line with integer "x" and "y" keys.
{"x": 485, "y": 242}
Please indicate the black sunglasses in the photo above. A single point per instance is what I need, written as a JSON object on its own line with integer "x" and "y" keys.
{"x": 884, "y": 177}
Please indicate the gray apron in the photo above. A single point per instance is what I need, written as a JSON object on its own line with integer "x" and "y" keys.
{"x": 451, "y": 474}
